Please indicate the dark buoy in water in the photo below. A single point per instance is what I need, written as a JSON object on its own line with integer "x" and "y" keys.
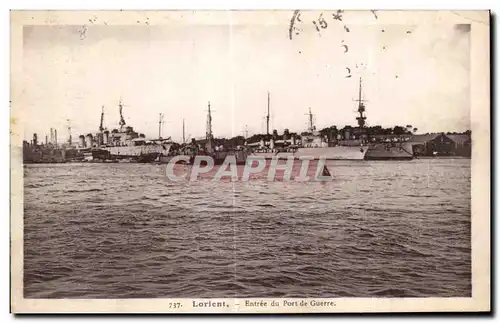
{"x": 326, "y": 172}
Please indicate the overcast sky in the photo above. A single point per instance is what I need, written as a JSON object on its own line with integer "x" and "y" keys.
{"x": 412, "y": 74}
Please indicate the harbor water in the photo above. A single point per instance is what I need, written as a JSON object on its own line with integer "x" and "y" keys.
{"x": 378, "y": 229}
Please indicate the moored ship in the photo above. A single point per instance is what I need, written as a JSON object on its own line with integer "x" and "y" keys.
{"x": 349, "y": 146}
{"x": 389, "y": 151}
{"x": 217, "y": 153}
{"x": 124, "y": 143}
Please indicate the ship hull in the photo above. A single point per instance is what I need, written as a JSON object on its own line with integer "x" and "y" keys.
{"x": 327, "y": 153}
{"x": 219, "y": 157}
{"x": 136, "y": 151}
{"x": 333, "y": 153}
{"x": 167, "y": 159}
{"x": 385, "y": 152}
{"x": 136, "y": 154}
{"x": 373, "y": 152}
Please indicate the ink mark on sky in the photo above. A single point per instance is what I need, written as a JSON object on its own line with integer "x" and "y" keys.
{"x": 338, "y": 15}
{"x": 292, "y": 28}
{"x": 319, "y": 23}
{"x": 83, "y": 32}
{"x": 348, "y": 72}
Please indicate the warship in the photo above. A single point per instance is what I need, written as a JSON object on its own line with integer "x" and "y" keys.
{"x": 123, "y": 144}
{"x": 347, "y": 146}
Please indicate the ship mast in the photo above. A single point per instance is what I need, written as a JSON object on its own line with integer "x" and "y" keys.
{"x": 122, "y": 120}
{"x": 311, "y": 123}
{"x": 361, "y": 107}
{"x": 209, "y": 123}
{"x": 183, "y": 132}
{"x": 267, "y": 117}
{"x": 209, "y": 136}
{"x": 101, "y": 128}
{"x": 160, "y": 122}
{"x": 69, "y": 131}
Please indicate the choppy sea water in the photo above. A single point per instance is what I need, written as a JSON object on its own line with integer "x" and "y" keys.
{"x": 378, "y": 229}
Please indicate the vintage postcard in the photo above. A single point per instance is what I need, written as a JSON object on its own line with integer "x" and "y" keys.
{"x": 232, "y": 161}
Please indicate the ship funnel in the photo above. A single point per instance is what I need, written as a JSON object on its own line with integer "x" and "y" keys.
{"x": 286, "y": 135}
{"x": 88, "y": 140}
{"x": 81, "y": 141}
{"x": 100, "y": 138}
{"x": 106, "y": 137}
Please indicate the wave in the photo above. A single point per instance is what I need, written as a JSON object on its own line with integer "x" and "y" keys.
{"x": 84, "y": 191}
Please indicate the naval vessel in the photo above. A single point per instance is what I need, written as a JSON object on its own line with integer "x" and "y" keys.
{"x": 124, "y": 144}
{"x": 350, "y": 146}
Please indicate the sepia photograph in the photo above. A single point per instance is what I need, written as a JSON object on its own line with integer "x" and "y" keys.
{"x": 250, "y": 161}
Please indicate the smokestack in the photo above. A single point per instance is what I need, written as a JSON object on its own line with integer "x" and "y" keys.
{"x": 81, "y": 141}
{"x": 89, "y": 140}
{"x": 347, "y": 135}
{"x": 46, "y": 140}
{"x": 35, "y": 140}
{"x": 51, "y": 135}
{"x": 70, "y": 141}
{"x": 99, "y": 138}
{"x": 106, "y": 137}
{"x": 286, "y": 134}
{"x": 55, "y": 137}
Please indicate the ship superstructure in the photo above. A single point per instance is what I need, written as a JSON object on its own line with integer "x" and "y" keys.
{"x": 314, "y": 144}
{"x": 124, "y": 142}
